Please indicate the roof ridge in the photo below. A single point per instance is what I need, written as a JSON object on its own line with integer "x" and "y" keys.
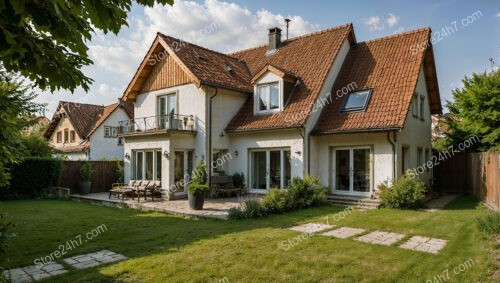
{"x": 297, "y": 37}
{"x": 201, "y": 47}
{"x": 72, "y": 102}
{"x": 398, "y": 34}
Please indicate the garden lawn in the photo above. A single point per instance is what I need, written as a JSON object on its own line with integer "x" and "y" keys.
{"x": 167, "y": 248}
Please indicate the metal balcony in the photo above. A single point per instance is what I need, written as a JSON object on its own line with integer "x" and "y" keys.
{"x": 157, "y": 124}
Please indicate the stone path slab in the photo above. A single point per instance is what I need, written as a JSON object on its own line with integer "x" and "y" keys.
{"x": 93, "y": 259}
{"x": 438, "y": 203}
{"x": 311, "y": 227}
{"x": 33, "y": 273}
{"x": 424, "y": 244}
{"x": 344, "y": 232}
{"x": 380, "y": 238}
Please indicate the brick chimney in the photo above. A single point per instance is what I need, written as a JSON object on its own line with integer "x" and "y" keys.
{"x": 274, "y": 38}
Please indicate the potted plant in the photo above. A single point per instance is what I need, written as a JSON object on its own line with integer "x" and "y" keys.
{"x": 85, "y": 175}
{"x": 185, "y": 119}
{"x": 190, "y": 122}
{"x": 198, "y": 187}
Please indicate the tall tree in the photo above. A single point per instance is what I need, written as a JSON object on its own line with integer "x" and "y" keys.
{"x": 16, "y": 103}
{"x": 44, "y": 40}
{"x": 475, "y": 111}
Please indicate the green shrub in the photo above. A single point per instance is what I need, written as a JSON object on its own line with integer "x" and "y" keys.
{"x": 239, "y": 180}
{"x": 199, "y": 175}
{"x": 120, "y": 172}
{"x": 32, "y": 177}
{"x": 277, "y": 201}
{"x": 302, "y": 193}
{"x": 196, "y": 188}
{"x": 251, "y": 208}
{"x": 405, "y": 193}
{"x": 489, "y": 223}
{"x": 86, "y": 171}
{"x": 4, "y": 234}
{"x": 307, "y": 192}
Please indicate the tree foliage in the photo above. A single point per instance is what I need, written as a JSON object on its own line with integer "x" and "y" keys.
{"x": 475, "y": 111}
{"x": 45, "y": 40}
{"x": 16, "y": 103}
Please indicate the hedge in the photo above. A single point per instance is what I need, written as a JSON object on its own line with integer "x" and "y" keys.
{"x": 32, "y": 176}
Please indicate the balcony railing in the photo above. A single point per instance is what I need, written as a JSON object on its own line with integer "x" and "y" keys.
{"x": 154, "y": 124}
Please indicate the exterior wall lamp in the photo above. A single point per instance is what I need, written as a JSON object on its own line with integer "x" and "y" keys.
{"x": 166, "y": 154}
{"x": 127, "y": 156}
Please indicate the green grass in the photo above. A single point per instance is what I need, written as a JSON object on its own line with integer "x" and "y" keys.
{"x": 166, "y": 248}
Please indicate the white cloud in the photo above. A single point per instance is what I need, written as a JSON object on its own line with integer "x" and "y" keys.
{"x": 374, "y": 23}
{"x": 377, "y": 23}
{"x": 392, "y": 20}
{"x": 214, "y": 24}
{"x": 498, "y": 14}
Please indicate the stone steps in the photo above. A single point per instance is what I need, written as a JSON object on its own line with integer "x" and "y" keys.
{"x": 360, "y": 202}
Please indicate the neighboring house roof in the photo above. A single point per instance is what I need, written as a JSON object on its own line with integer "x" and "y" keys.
{"x": 309, "y": 57}
{"x": 82, "y": 117}
{"x": 388, "y": 67}
{"x": 74, "y": 148}
{"x": 127, "y": 106}
{"x": 85, "y": 118}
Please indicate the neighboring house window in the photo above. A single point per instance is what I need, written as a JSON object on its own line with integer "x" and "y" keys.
{"x": 269, "y": 99}
{"x": 357, "y": 100}
{"x": 420, "y": 156}
{"x": 427, "y": 158}
{"x": 66, "y": 135}
{"x": 422, "y": 101}
{"x": 414, "y": 105}
{"x": 120, "y": 141}
{"x": 59, "y": 137}
{"x": 110, "y": 132}
{"x": 418, "y": 105}
{"x": 220, "y": 159}
{"x": 107, "y": 132}
{"x": 72, "y": 136}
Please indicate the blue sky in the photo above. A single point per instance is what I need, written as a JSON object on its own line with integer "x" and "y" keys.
{"x": 232, "y": 25}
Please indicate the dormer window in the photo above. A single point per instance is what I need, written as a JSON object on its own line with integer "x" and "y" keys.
{"x": 356, "y": 100}
{"x": 269, "y": 97}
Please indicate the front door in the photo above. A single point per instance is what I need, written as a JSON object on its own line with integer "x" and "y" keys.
{"x": 352, "y": 171}
{"x": 183, "y": 168}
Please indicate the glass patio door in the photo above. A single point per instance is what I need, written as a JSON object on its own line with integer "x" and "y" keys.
{"x": 166, "y": 109}
{"x": 270, "y": 168}
{"x": 352, "y": 171}
{"x": 183, "y": 168}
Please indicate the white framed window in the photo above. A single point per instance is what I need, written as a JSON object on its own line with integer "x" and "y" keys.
{"x": 120, "y": 141}
{"x": 269, "y": 168}
{"x": 356, "y": 100}
{"x": 418, "y": 106}
{"x": 422, "y": 106}
{"x": 219, "y": 160}
{"x": 110, "y": 132}
{"x": 269, "y": 98}
{"x": 146, "y": 164}
{"x": 420, "y": 156}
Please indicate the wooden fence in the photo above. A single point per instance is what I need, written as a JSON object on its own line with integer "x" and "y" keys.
{"x": 103, "y": 176}
{"x": 475, "y": 173}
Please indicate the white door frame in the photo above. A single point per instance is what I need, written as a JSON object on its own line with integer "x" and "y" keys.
{"x": 351, "y": 191}
{"x": 267, "y": 150}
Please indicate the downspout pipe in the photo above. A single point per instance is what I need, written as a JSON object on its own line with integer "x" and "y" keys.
{"x": 209, "y": 133}
{"x": 393, "y": 144}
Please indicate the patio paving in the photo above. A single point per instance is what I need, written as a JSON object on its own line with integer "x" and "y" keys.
{"x": 344, "y": 232}
{"x": 424, "y": 244}
{"x": 213, "y": 208}
{"x": 311, "y": 227}
{"x": 33, "y": 273}
{"x": 93, "y": 259}
{"x": 380, "y": 238}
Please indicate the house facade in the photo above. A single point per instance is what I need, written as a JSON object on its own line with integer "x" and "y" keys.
{"x": 353, "y": 113}
{"x": 87, "y": 132}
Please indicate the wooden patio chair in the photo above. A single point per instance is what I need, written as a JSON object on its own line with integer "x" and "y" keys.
{"x": 153, "y": 188}
{"x": 123, "y": 190}
{"x": 140, "y": 189}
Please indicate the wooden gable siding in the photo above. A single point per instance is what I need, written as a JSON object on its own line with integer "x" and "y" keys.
{"x": 165, "y": 73}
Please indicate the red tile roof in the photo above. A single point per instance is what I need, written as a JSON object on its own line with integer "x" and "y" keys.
{"x": 388, "y": 67}
{"x": 310, "y": 57}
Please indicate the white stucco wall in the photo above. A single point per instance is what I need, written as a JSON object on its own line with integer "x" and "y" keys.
{"x": 101, "y": 147}
{"x": 416, "y": 132}
{"x": 381, "y": 159}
